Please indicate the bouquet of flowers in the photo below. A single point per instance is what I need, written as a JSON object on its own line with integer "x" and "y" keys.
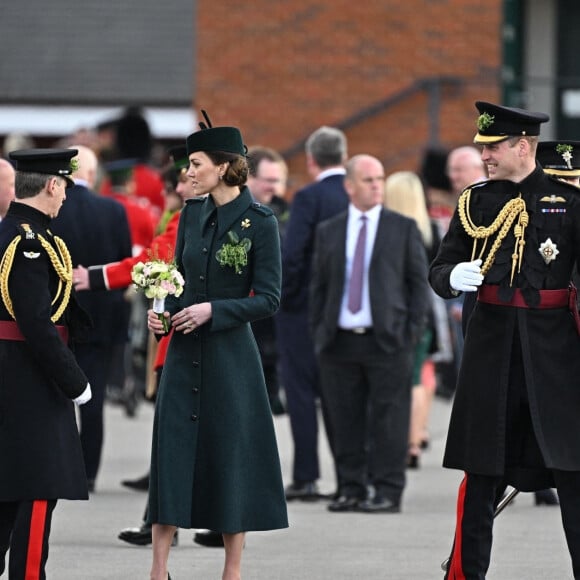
{"x": 158, "y": 279}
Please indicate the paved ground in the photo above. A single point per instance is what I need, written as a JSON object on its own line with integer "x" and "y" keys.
{"x": 319, "y": 545}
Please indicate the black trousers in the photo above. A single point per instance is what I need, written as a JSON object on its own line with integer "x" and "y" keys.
{"x": 479, "y": 494}
{"x": 25, "y": 529}
{"x": 368, "y": 395}
{"x": 95, "y": 361}
{"x": 300, "y": 380}
{"x": 477, "y": 498}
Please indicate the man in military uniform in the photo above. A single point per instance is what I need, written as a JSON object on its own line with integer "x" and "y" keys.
{"x": 514, "y": 240}
{"x": 41, "y": 458}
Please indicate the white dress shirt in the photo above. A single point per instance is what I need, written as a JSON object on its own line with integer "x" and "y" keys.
{"x": 362, "y": 318}
{"x": 329, "y": 172}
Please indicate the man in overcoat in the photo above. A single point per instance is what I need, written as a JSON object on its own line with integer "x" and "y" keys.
{"x": 514, "y": 240}
{"x": 96, "y": 231}
{"x": 41, "y": 458}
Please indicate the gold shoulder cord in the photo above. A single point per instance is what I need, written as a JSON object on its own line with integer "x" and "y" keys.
{"x": 514, "y": 208}
{"x": 62, "y": 265}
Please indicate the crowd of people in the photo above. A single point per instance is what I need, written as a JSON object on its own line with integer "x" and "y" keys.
{"x": 345, "y": 306}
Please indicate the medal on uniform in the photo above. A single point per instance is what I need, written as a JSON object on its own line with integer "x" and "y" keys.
{"x": 549, "y": 250}
{"x": 552, "y": 200}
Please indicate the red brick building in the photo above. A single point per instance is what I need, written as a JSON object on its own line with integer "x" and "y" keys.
{"x": 397, "y": 76}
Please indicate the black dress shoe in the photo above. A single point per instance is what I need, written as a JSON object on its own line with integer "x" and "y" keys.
{"x": 379, "y": 505}
{"x": 344, "y": 503}
{"x": 137, "y": 536}
{"x": 141, "y": 536}
{"x": 277, "y": 406}
{"x": 546, "y": 497}
{"x": 209, "y": 539}
{"x": 304, "y": 491}
{"x": 139, "y": 484}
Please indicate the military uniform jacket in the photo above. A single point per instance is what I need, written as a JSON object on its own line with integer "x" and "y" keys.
{"x": 40, "y": 451}
{"x": 549, "y": 341}
{"x": 214, "y": 460}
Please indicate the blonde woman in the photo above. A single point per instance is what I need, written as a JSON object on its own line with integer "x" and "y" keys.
{"x": 404, "y": 194}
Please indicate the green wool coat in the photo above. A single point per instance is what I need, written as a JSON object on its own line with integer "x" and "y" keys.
{"x": 215, "y": 461}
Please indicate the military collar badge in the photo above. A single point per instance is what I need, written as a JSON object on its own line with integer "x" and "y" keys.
{"x": 549, "y": 250}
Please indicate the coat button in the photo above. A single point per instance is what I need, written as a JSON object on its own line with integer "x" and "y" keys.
{"x": 202, "y": 277}
{"x": 212, "y": 224}
{"x": 195, "y": 364}
{"x": 195, "y": 390}
{"x": 204, "y": 250}
{"x": 194, "y": 417}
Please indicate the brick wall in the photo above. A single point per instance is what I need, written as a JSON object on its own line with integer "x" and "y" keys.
{"x": 279, "y": 70}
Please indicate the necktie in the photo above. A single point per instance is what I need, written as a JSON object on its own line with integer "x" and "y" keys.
{"x": 358, "y": 269}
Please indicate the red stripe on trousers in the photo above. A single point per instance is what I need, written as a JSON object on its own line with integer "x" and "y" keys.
{"x": 455, "y": 566}
{"x": 36, "y": 539}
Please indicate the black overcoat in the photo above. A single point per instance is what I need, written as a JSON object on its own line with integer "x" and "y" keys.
{"x": 96, "y": 231}
{"x": 214, "y": 459}
{"x": 549, "y": 341}
{"x": 40, "y": 451}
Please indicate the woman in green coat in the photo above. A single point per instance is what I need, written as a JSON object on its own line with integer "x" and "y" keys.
{"x": 214, "y": 457}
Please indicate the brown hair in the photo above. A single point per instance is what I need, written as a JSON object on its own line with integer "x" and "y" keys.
{"x": 237, "y": 170}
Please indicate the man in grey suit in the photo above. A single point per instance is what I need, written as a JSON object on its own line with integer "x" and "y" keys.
{"x": 369, "y": 301}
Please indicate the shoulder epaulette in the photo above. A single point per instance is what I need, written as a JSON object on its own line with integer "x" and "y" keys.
{"x": 477, "y": 184}
{"x": 26, "y": 232}
{"x": 261, "y": 209}
{"x": 565, "y": 185}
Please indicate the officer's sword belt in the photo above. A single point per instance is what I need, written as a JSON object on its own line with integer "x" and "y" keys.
{"x": 560, "y": 298}
{"x": 9, "y": 331}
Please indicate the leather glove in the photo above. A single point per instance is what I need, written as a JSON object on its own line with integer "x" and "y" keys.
{"x": 466, "y": 276}
{"x": 85, "y": 396}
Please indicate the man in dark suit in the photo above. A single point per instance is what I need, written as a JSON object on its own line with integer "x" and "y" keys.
{"x": 326, "y": 153}
{"x": 96, "y": 230}
{"x": 369, "y": 301}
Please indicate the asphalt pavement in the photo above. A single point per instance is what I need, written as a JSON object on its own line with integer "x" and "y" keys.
{"x": 319, "y": 545}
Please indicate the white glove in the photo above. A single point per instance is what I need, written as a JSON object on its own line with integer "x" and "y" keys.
{"x": 85, "y": 396}
{"x": 466, "y": 276}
